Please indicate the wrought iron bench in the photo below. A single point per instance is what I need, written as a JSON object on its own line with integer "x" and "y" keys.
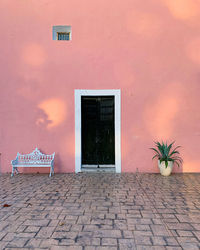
{"x": 34, "y": 159}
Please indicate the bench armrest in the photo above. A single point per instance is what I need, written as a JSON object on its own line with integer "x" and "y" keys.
{"x": 14, "y": 162}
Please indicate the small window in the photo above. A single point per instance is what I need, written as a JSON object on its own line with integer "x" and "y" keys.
{"x": 62, "y": 33}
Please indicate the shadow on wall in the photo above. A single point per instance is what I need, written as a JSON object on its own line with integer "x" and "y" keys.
{"x": 55, "y": 110}
{"x": 31, "y": 125}
{"x": 136, "y": 57}
{"x": 37, "y": 113}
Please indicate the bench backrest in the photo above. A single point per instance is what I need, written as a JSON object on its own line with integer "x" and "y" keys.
{"x": 36, "y": 157}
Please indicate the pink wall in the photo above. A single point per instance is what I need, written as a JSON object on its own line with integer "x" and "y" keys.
{"x": 151, "y": 51}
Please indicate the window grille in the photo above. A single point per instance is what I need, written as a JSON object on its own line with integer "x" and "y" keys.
{"x": 63, "y": 35}
{"x": 61, "y": 32}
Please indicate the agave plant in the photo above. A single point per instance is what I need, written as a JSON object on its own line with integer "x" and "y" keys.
{"x": 164, "y": 152}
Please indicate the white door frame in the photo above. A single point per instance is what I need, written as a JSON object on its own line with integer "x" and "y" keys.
{"x": 107, "y": 92}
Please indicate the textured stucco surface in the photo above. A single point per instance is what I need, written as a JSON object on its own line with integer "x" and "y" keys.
{"x": 151, "y": 51}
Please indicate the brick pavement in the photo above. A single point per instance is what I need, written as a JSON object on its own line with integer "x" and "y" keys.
{"x": 100, "y": 211}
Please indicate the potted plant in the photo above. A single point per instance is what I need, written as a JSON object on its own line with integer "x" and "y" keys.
{"x": 167, "y": 157}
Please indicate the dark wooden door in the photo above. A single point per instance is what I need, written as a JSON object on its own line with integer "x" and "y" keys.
{"x": 98, "y": 138}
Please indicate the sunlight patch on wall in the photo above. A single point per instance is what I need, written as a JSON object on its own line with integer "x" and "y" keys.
{"x": 193, "y": 50}
{"x": 34, "y": 55}
{"x": 68, "y": 145}
{"x": 183, "y": 9}
{"x": 55, "y": 109}
{"x": 191, "y": 166}
{"x": 160, "y": 115}
{"x": 146, "y": 24}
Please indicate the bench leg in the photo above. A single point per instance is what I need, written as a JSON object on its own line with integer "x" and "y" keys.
{"x": 51, "y": 171}
{"x": 13, "y": 171}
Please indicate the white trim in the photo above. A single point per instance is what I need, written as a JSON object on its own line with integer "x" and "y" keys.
{"x": 61, "y": 28}
{"x": 108, "y": 92}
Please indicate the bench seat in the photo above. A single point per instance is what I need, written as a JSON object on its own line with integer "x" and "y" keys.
{"x": 34, "y": 159}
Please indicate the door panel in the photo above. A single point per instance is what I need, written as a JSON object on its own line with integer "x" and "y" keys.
{"x": 98, "y": 139}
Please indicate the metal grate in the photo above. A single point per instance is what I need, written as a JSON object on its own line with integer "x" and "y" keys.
{"x": 63, "y": 36}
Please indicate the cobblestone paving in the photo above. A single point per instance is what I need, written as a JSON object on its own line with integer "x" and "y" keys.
{"x": 100, "y": 211}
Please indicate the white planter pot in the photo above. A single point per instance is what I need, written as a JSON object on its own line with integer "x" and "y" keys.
{"x": 165, "y": 171}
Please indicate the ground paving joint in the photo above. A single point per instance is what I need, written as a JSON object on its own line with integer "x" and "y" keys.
{"x": 100, "y": 211}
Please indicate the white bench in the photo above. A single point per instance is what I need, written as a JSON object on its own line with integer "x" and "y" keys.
{"x": 34, "y": 159}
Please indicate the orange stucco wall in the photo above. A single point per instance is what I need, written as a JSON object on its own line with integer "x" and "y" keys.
{"x": 148, "y": 49}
